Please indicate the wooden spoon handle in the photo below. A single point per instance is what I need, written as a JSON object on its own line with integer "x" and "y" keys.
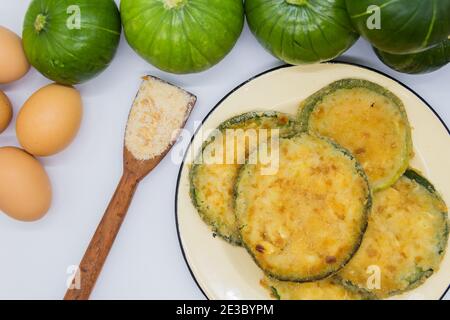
{"x": 103, "y": 239}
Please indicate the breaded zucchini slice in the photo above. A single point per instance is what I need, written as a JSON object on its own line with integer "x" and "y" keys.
{"x": 405, "y": 240}
{"x": 327, "y": 289}
{"x": 212, "y": 184}
{"x": 306, "y": 221}
{"x": 368, "y": 120}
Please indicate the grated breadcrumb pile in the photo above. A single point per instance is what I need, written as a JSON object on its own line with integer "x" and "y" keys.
{"x": 157, "y": 115}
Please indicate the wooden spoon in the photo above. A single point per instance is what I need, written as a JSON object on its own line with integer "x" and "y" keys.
{"x": 134, "y": 170}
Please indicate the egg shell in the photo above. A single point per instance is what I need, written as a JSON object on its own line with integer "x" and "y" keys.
{"x": 49, "y": 120}
{"x": 6, "y": 112}
{"x": 13, "y": 62}
{"x": 25, "y": 189}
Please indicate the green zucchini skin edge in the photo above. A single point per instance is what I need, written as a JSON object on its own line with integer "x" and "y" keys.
{"x": 253, "y": 115}
{"x": 363, "y": 227}
{"x": 307, "y": 107}
{"x": 275, "y": 293}
{"x": 193, "y": 193}
{"x": 413, "y": 174}
{"x": 421, "y": 275}
{"x": 418, "y": 63}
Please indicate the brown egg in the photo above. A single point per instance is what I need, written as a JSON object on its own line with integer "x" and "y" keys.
{"x": 49, "y": 120}
{"x": 25, "y": 190}
{"x": 13, "y": 62}
{"x": 6, "y": 112}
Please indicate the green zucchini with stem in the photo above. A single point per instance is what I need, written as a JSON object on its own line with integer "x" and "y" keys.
{"x": 301, "y": 31}
{"x": 182, "y": 36}
{"x": 71, "y": 42}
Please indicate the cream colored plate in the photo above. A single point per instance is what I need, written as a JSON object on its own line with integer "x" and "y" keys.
{"x": 226, "y": 272}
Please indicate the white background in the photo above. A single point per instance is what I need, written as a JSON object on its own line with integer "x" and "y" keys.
{"x": 146, "y": 261}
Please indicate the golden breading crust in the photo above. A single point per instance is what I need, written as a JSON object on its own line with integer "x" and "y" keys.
{"x": 306, "y": 221}
{"x": 368, "y": 120}
{"x": 405, "y": 240}
{"x": 212, "y": 185}
{"x": 327, "y": 289}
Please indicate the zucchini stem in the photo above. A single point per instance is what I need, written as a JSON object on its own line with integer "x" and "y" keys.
{"x": 297, "y": 2}
{"x": 40, "y": 22}
{"x": 171, "y": 4}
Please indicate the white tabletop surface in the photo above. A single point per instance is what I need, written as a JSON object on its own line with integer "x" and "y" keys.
{"x": 146, "y": 261}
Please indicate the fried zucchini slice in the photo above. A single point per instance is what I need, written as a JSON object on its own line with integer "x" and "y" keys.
{"x": 368, "y": 120}
{"x": 405, "y": 240}
{"x": 306, "y": 221}
{"x": 327, "y": 289}
{"x": 212, "y": 184}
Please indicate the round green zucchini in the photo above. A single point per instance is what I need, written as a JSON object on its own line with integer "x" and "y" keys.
{"x": 71, "y": 42}
{"x": 301, "y": 31}
{"x": 415, "y": 63}
{"x": 401, "y": 26}
{"x": 182, "y": 36}
{"x": 327, "y": 289}
{"x": 212, "y": 185}
{"x": 406, "y": 239}
{"x": 368, "y": 120}
{"x": 304, "y": 222}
